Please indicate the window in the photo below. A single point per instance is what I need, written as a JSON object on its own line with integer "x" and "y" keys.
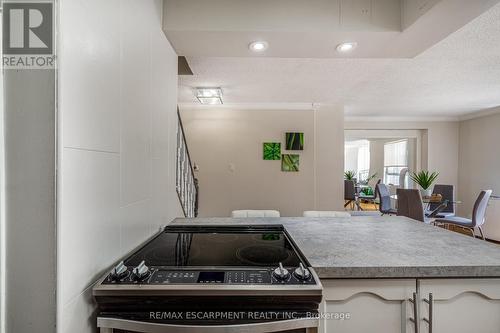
{"x": 357, "y": 158}
{"x": 395, "y": 159}
{"x": 364, "y": 162}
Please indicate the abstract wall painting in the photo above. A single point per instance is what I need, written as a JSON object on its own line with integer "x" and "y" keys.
{"x": 290, "y": 163}
{"x": 272, "y": 151}
{"x": 294, "y": 141}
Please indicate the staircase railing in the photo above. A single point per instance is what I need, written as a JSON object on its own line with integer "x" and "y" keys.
{"x": 186, "y": 183}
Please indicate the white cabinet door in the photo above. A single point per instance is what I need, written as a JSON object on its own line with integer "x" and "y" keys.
{"x": 370, "y": 15}
{"x": 386, "y": 15}
{"x": 413, "y": 9}
{"x": 375, "y": 306}
{"x": 355, "y": 14}
{"x": 460, "y": 305}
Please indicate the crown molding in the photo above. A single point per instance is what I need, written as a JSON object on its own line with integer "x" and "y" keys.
{"x": 480, "y": 114}
{"x": 400, "y": 119}
{"x": 314, "y": 106}
{"x": 249, "y": 106}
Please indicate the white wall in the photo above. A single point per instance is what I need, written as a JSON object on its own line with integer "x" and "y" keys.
{"x": 329, "y": 157}
{"x": 117, "y": 123}
{"x": 480, "y": 168}
{"x": 227, "y": 146}
{"x": 219, "y": 139}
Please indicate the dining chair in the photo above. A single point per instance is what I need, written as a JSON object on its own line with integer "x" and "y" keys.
{"x": 255, "y": 213}
{"x": 410, "y": 204}
{"x": 478, "y": 215}
{"x": 447, "y": 192}
{"x": 322, "y": 213}
{"x": 385, "y": 206}
{"x": 371, "y": 198}
{"x": 350, "y": 195}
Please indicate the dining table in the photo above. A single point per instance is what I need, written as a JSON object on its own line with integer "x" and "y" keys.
{"x": 360, "y": 187}
{"x": 443, "y": 203}
{"x": 430, "y": 200}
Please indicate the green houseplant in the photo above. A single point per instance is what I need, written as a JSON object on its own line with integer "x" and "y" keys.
{"x": 350, "y": 175}
{"x": 369, "y": 179}
{"x": 424, "y": 179}
{"x": 367, "y": 191}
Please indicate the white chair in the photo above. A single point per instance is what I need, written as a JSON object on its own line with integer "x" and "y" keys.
{"x": 318, "y": 213}
{"x": 402, "y": 177}
{"x": 255, "y": 213}
{"x": 478, "y": 215}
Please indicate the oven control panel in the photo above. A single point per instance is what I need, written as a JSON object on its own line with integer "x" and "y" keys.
{"x": 226, "y": 277}
{"x": 161, "y": 276}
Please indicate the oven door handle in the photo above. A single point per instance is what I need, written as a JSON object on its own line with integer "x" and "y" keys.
{"x": 109, "y": 324}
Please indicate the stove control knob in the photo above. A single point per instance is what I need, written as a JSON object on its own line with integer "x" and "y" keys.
{"x": 302, "y": 273}
{"x": 141, "y": 272}
{"x": 119, "y": 272}
{"x": 281, "y": 273}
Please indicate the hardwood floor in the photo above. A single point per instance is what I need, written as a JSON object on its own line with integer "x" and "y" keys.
{"x": 369, "y": 206}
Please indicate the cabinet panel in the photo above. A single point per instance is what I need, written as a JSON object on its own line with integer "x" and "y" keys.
{"x": 355, "y": 14}
{"x": 370, "y": 15}
{"x": 364, "y": 313}
{"x": 464, "y": 314}
{"x": 386, "y": 14}
{"x": 461, "y": 305}
{"x": 413, "y": 9}
{"x": 367, "y": 306}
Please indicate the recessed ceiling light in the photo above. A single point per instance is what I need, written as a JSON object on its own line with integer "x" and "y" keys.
{"x": 209, "y": 96}
{"x": 346, "y": 47}
{"x": 258, "y": 46}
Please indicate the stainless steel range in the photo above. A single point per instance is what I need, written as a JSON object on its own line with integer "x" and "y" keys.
{"x": 211, "y": 279}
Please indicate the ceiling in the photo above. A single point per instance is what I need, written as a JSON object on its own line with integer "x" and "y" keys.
{"x": 313, "y": 28}
{"x": 457, "y": 76}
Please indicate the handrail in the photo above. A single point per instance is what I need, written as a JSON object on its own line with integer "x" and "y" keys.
{"x": 184, "y": 138}
{"x": 187, "y": 191}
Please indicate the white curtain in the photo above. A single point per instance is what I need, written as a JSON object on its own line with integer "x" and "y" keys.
{"x": 364, "y": 159}
{"x": 396, "y": 153}
{"x": 395, "y": 159}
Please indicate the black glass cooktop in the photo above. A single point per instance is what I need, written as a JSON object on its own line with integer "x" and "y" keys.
{"x": 233, "y": 247}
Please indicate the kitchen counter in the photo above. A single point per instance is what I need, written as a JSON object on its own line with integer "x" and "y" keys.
{"x": 380, "y": 247}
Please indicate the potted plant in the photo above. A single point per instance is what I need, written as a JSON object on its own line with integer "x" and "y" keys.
{"x": 369, "y": 179}
{"x": 424, "y": 179}
{"x": 350, "y": 175}
{"x": 367, "y": 191}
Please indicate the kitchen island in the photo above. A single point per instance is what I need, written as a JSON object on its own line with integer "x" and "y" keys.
{"x": 393, "y": 274}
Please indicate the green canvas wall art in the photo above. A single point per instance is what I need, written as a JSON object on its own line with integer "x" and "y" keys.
{"x": 290, "y": 163}
{"x": 294, "y": 141}
{"x": 272, "y": 151}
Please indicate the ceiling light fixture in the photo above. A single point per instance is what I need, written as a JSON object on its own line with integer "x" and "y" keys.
{"x": 209, "y": 96}
{"x": 258, "y": 46}
{"x": 346, "y": 47}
